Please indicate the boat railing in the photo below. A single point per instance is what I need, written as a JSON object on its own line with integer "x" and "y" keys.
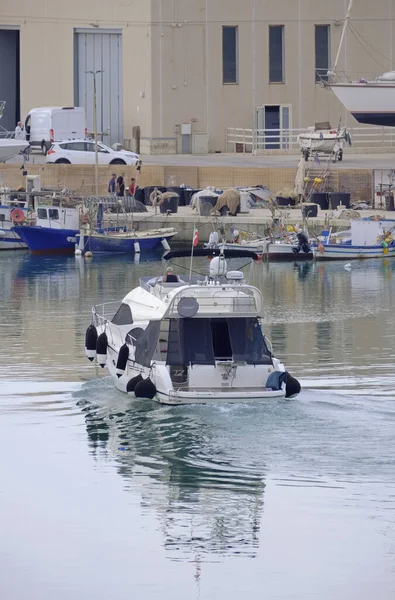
{"x": 286, "y": 141}
{"x": 107, "y": 310}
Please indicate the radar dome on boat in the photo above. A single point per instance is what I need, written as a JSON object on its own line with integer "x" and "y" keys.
{"x": 218, "y": 266}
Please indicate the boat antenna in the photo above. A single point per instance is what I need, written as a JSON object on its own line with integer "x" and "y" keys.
{"x": 346, "y": 20}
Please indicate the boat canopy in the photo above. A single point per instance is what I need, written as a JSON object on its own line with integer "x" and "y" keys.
{"x": 205, "y": 341}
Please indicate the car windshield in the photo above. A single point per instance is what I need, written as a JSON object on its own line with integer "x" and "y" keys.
{"x": 104, "y": 147}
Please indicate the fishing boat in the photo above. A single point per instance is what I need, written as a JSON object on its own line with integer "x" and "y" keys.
{"x": 324, "y": 139}
{"x": 284, "y": 249}
{"x": 367, "y": 238}
{"x": 124, "y": 241}
{"x": 54, "y": 231}
{"x": 192, "y": 339}
{"x": 65, "y": 227}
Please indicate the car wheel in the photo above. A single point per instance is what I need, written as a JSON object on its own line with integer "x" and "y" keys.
{"x": 117, "y": 161}
{"x": 44, "y": 148}
{"x": 62, "y": 161}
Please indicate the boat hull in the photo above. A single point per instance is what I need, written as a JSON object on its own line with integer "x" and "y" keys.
{"x": 348, "y": 252}
{"x": 191, "y": 395}
{"x": 10, "y": 148}
{"x": 369, "y": 103}
{"x": 47, "y": 240}
{"x": 276, "y": 252}
{"x": 101, "y": 243}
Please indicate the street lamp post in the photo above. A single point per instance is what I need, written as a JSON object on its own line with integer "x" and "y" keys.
{"x": 94, "y": 73}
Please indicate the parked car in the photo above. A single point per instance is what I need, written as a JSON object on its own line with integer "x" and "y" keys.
{"x": 49, "y": 124}
{"x": 82, "y": 152}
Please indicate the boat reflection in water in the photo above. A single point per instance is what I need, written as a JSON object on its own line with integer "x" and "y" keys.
{"x": 209, "y": 503}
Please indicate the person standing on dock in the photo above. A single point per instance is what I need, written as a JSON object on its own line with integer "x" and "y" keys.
{"x": 121, "y": 186}
{"x": 19, "y": 132}
{"x": 132, "y": 187}
{"x": 112, "y": 184}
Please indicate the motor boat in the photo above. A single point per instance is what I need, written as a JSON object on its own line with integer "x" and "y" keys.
{"x": 195, "y": 339}
{"x": 286, "y": 248}
{"x": 10, "y": 148}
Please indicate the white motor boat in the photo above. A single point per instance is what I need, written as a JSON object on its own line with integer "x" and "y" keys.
{"x": 10, "y": 148}
{"x": 190, "y": 340}
{"x": 323, "y": 139}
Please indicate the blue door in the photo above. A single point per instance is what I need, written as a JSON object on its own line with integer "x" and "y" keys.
{"x": 272, "y": 122}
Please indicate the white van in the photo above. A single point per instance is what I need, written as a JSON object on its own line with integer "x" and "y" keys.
{"x": 46, "y": 125}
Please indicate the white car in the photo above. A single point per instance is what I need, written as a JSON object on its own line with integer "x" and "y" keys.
{"x": 82, "y": 152}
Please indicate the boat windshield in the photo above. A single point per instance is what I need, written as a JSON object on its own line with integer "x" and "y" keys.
{"x": 205, "y": 341}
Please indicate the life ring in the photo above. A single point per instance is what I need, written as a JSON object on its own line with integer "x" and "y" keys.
{"x": 17, "y": 215}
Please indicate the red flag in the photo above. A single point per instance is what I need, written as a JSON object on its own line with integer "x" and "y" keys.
{"x": 195, "y": 237}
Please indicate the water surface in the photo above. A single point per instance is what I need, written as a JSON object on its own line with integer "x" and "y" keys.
{"x": 104, "y": 496}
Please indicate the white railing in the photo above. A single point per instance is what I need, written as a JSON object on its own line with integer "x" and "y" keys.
{"x": 261, "y": 141}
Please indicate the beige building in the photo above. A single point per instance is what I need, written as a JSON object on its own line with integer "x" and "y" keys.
{"x": 185, "y": 70}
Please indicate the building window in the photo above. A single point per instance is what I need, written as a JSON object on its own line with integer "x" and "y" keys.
{"x": 322, "y": 52}
{"x": 229, "y": 55}
{"x": 276, "y": 53}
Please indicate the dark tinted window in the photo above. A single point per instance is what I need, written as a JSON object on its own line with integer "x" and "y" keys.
{"x": 276, "y": 59}
{"x": 322, "y": 52}
{"x": 77, "y": 146}
{"x": 53, "y": 213}
{"x": 42, "y": 213}
{"x": 229, "y": 55}
{"x": 123, "y": 316}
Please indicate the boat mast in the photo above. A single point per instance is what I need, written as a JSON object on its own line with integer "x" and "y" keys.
{"x": 346, "y": 20}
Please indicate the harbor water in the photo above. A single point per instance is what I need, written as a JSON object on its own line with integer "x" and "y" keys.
{"x": 103, "y": 496}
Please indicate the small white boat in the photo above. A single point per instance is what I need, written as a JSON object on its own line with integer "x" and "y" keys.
{"x": 367, "y": 239}
{"x": 10, "y": 148}
{"x": 190, "y": 340}
{"x": 323, "y": 139}
{"x": 281, "y": 250}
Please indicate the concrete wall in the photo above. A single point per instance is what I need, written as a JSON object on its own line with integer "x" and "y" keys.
{"x": 172, "y": 58}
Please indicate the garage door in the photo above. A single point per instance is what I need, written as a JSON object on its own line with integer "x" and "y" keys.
{"x": 100, "y": 51}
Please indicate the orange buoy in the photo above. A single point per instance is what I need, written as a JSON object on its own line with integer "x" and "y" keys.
{"x": 17, "y": 215}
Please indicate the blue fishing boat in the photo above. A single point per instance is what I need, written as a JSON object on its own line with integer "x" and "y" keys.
{"x": 54, "y": 232}
{"x": 125, "y": 242}
{"x": 61, "y": 229}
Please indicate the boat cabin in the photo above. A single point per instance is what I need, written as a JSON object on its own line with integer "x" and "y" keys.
{"x": 57, "y": 217}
